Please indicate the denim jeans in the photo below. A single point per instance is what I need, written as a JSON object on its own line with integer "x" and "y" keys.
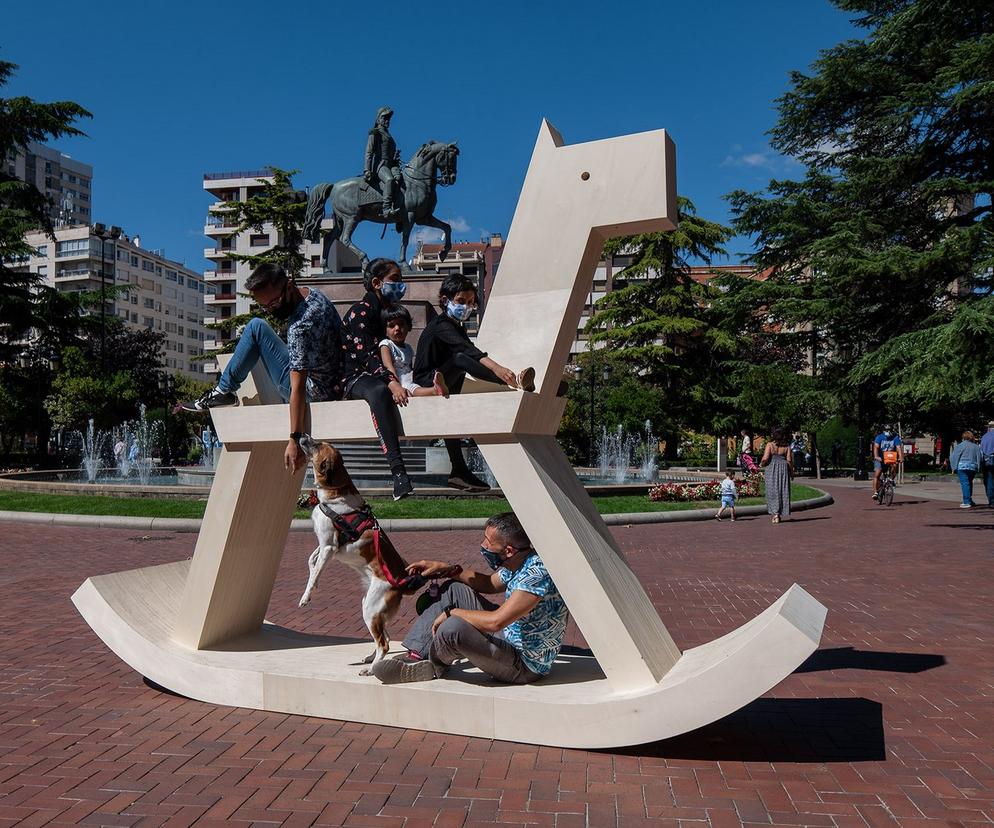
{"x": 258, "y": 341}
{"x": 966, "y": 483}
{"x": 989, "y": 484}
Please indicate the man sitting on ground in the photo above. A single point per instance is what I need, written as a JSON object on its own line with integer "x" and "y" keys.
{"x": 515, "y": 642}
{"x": 306, "y": 368}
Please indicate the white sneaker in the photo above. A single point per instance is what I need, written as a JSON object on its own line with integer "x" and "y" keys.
{"x": 965, "y": 506}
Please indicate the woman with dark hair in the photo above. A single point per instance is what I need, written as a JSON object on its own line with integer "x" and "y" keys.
{"x": 779, "y": 470}
{"x": 445, "y": 347}
{"x": 366, "y": 377}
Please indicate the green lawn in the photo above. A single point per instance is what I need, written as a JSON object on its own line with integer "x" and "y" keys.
{"x": 411, "y": 508}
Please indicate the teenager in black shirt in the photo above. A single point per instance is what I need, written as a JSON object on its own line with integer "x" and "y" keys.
{"x": 444, "y": 346}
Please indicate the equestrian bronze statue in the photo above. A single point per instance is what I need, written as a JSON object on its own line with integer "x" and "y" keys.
{"x": 388, "y": 192}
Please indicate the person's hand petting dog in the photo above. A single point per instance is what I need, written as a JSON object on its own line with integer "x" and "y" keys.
{"x": 434, "y": 569}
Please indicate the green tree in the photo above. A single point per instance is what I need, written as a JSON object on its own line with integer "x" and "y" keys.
{"x": 283, "y": 207}
{"x": 880, "y": 256}
{"x": 658, "y": 326}
{"x": 24, "y": 208}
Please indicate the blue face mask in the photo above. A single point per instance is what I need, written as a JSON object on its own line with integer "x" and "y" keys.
{"x": 492, "y": 558}
{"x": 393, "y": 291}
{"x": 458, "y": 312}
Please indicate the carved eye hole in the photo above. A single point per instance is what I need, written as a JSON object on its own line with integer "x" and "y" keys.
{"x": 585, "y": 176}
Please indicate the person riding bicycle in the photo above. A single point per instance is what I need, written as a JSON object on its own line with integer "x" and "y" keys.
{"x": 888, "y": 450}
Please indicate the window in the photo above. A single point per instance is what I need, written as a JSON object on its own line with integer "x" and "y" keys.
{"x": 134, "y": 301}
{"x": 85, "y": 182}
{"x": 259, "y": 239}
{"x": 170, "y": 327}
{"x": 179, "y": 330}
{"x": 72, "y": 179}
{"x": 77, "y": 247}
{"x": 134, "y": 316}
{"x": 48, "y": 166}
{"x": 134, "y": 261}
{"x": 43, "y": 250}
{"x": 42, "y": 270}
{"x": 147, "y": 265}
{"x": 171, "y": 275}
{"x": 148, "y": 321}
{"x": 179, "y": 347}
{"x": 149, "y": 303}
{"x": 315, "y": 261}
{"x": 84, "y": 197}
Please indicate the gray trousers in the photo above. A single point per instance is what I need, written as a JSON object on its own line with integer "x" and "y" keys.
{"x": 457, "y": 639}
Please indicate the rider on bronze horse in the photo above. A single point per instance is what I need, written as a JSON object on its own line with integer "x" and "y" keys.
{"x": 383, "y": 161}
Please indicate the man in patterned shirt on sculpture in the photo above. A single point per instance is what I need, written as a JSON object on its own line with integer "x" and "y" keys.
{"x": 306, "y": 368}
{"x": 515, "y": 642}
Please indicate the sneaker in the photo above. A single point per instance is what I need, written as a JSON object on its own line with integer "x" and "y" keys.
{"x": 718, "y": 518}
{"x": 467, "y": 482}
{"x": 402, "y": 485}
{"x": 393, "y": 671}
{"x": 438, "y": 383}
{"x": 526, "y": 379}
{"x": 875, "y": 496}
{"x": 965, "y": 506}
{"x": 410, "y": 657}
{"x": 215, "y": 398}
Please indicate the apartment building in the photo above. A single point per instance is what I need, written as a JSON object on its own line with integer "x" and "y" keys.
{"x": 226, "y": 295}
{"x": 67, "y": 183}
{"x": 162, "y": 295}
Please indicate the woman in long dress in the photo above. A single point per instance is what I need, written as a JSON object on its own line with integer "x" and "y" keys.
{"x": 779, "y": 469}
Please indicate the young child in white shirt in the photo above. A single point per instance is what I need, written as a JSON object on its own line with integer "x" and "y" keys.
{"x": 397, "y": 356}
{"x": 728, "y": 494}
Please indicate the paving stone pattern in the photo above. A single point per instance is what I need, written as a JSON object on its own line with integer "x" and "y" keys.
{"x": 890, "y": 723}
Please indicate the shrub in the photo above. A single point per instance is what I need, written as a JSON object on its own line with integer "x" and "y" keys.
{"x": 748, "y": 486}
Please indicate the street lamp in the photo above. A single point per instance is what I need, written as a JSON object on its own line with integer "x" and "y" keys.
{"x": 606, "y": 375}
{"x": 166, "y": 385}
{"x": 102, "y": 232}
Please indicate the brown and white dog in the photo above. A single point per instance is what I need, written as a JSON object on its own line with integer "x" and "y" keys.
{"x": 346, "y": 529}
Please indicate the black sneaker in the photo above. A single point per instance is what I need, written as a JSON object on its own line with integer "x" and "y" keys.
{"x": 467, "y": 482}
{"x": 402, "y": 485}
{"x": 215, "y": 398}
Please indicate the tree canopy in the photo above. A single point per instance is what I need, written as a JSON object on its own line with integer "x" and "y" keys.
{"x": 880, "y": 256}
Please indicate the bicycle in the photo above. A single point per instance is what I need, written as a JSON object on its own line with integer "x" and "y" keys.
{"x": 885, "y": 494}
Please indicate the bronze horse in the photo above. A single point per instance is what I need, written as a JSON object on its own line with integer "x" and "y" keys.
{"x": 353, "y": 201}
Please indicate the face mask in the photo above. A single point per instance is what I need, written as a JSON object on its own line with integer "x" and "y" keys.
{"x": 393, "y": 291}
{"x": 458, "y": 312}
{"x": 283, "y": 311}
{"x": 492, "y": 558}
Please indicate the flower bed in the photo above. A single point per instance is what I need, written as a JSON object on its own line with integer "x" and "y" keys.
{"x": 748, "y": 486}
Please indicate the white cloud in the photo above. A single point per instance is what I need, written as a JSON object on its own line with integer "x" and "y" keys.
{"x": 748, "y": 159}
{"x": 428, "y": 235}
{"x": 459, "y": 224}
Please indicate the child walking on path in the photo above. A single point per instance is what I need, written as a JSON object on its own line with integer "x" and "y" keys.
{"x": 398, "y": 357}
{"x": 728, "y": 494}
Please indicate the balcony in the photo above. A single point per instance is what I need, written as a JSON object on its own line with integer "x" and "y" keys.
{"x": 218, "y": 298}
{"x": 217, "y": 252}
{"x": 265, "y": 172}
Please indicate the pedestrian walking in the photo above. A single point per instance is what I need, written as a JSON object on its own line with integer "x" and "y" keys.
{"x": 987, "y": 450}
{"x": 779, "y": 467}
{"x": 965, "y": 460}
{"x": 728, "y": 494}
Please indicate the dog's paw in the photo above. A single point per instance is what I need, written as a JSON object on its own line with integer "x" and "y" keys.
{"x": 365, "y": 671}
{"x": 369, "y": 659}
{"x": 304, "y": 601}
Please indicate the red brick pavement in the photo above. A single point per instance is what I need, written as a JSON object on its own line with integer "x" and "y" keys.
{"x": 891, "y": 722}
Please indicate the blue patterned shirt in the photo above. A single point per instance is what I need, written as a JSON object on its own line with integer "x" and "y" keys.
{"x": 314, "y": 343}
{"x": 539, "y": 635}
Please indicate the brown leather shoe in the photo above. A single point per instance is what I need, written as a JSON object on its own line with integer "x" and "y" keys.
{"x": 526, "y": 379}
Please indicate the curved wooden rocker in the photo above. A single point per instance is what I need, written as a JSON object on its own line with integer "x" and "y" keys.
{"x": 197, "y": 627}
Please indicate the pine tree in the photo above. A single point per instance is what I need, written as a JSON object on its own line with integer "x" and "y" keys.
{"x": 24, "y": 208}
{"x": 881, "y": 255}
{"x": 657, "y": 324}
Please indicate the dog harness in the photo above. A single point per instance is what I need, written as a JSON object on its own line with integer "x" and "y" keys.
{"x": 351, "y": 526}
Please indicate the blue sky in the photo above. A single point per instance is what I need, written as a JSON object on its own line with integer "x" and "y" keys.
{"x": 180, "y": 89}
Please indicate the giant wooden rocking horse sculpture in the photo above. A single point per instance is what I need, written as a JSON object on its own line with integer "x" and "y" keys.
{"x": 197, "y": 627}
